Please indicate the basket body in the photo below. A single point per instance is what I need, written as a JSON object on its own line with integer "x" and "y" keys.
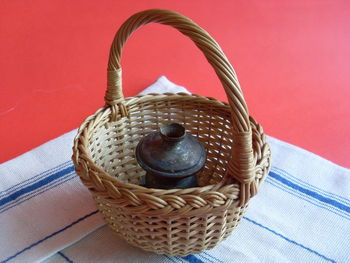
{"x": 172, "y": 222}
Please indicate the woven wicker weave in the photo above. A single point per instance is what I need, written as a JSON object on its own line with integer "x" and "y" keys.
{"x": 177, "y": 221}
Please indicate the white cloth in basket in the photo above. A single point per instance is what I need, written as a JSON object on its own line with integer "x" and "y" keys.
{"x": 302, "y": 213}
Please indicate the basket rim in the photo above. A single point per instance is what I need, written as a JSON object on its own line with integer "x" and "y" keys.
{"x": 105, "y": 110}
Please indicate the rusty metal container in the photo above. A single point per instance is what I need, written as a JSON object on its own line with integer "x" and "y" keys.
{"x": 171, "y": 158}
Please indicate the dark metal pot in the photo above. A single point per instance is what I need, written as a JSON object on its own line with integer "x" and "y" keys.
{"x": 171, "y": 158}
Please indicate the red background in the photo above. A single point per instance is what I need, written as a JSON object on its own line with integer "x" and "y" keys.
{"x": 292, "y": 59}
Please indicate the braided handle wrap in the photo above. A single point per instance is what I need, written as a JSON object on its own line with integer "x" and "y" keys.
{"x": 241, "y": 166}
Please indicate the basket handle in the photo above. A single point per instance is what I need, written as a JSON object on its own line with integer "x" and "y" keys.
{"x": 242, "y": 164}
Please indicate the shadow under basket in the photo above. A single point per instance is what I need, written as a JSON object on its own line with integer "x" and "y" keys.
{"x": 175, "y": 221}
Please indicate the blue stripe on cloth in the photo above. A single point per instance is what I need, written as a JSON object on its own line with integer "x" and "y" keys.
{"x": 310, "y": 186}
{"x": 192, "y": 259}
{"x": 289, "y": 240}
{"x": 33, "y": 194}
{"x": 34, "y": 178}
{"x": 202, "y": 256}
{"x": 216, "y": 259}
{"x": 308, "y": 199}
{"x": 49, "y": 236}
{"x": 65, "y": 257}
{"x": 311, "y": 193}
{"x": 36, "y": 185}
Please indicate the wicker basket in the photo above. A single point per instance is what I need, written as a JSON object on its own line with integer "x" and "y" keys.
{"x": 177, "y": 221}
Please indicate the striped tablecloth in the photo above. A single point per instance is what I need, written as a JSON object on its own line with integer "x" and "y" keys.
{"x": 302, "y": 213}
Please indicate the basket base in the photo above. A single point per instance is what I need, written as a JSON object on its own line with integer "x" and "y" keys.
{"x": 178, "y": 236}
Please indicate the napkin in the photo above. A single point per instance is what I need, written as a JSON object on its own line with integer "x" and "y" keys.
{"x": 301, "y": 214}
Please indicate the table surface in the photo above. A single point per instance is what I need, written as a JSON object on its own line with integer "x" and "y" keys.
{"x": 292, "y": 59}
